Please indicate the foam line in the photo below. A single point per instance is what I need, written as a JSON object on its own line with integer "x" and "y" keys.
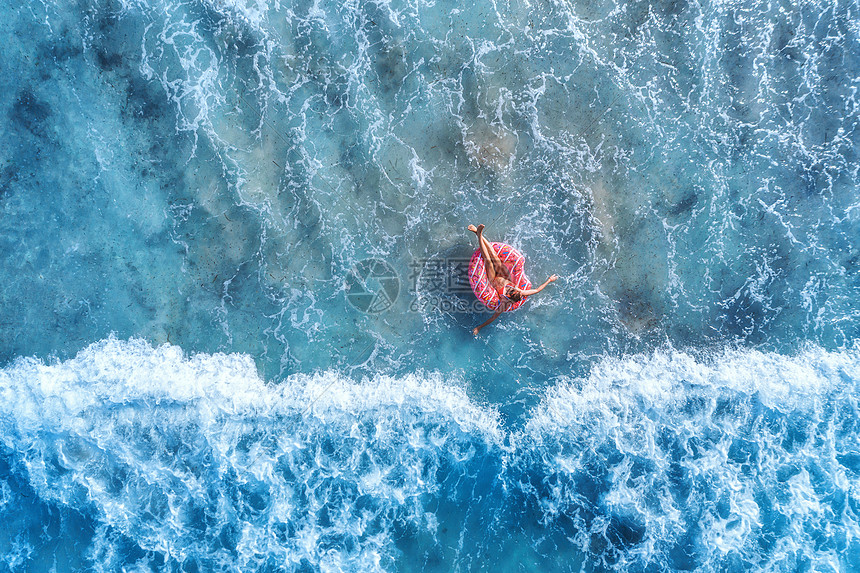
{"x": 742, "y": 455}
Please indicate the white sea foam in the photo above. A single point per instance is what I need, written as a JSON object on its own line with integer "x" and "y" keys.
{"x": 744, "y": 448}
{"x": 743, "y": 455}
{"x": 176, "y": 452}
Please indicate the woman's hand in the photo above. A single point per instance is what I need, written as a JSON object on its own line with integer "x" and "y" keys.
{"x": 491, "y": 319}
{"x": 552, "y": 279}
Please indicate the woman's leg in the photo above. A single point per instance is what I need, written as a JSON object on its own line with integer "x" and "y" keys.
{"x": 501, "y": 269}
{"x": 482, "y": 244}
{"x": 495, "y": 266}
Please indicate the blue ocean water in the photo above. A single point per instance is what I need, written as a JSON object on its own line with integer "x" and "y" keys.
{"x": 234, "y": 334}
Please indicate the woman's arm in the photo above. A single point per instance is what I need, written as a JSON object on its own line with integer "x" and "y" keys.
{"x": 494, "y": 317}
{"x": 532, "y": 291}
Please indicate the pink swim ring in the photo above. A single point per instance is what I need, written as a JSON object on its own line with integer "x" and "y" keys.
{"x": 486, "y": 293}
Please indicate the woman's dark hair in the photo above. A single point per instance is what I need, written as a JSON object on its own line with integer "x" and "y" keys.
{"x": 514, "y": 294}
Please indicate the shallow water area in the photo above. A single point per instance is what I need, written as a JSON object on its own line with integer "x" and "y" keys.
{"x": 234, "y": 327}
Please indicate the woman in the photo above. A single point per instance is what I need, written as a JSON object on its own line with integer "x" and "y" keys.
{"x": 500, "y": 278}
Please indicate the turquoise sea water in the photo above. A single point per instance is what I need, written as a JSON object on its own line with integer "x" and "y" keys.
{"x": 233, "y": 329}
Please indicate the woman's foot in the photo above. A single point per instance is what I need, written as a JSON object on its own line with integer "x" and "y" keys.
{"x": 472, "y": 228}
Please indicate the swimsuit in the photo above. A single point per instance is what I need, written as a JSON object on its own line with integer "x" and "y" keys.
{"x": 486, "y": 292}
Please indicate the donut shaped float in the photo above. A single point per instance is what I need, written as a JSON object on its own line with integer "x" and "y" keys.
{"x": 486, "y": 293}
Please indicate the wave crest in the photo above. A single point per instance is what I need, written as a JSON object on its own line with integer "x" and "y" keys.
{"x": 745, "y": 458}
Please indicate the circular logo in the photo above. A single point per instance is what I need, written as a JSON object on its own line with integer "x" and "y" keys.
{"x": 372, "y": 286}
